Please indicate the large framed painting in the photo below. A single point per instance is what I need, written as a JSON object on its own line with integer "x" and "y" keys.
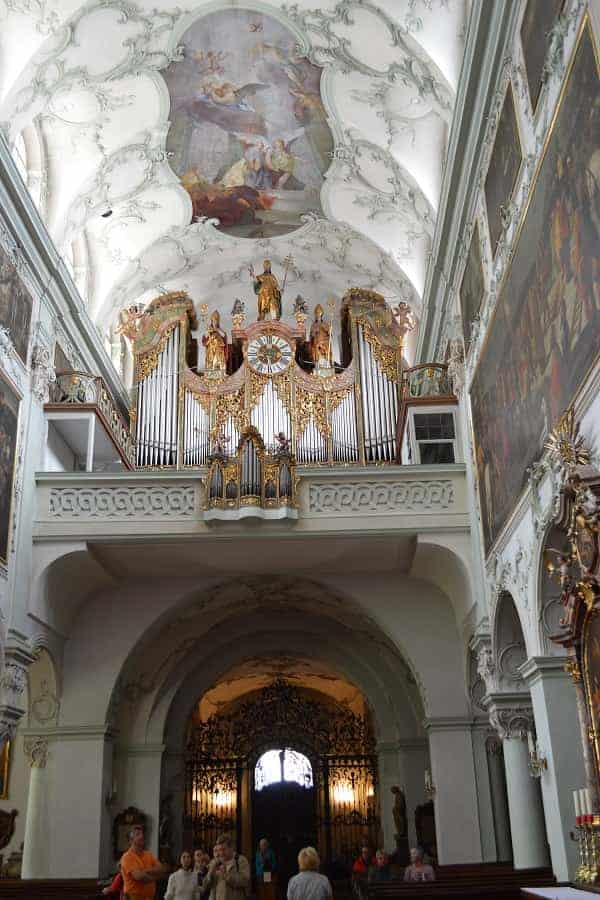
{"x": 472, "y": 286}
{"x": 504, "y": 166}
{"x": 543, "y": 338}
{"x": 540, "y": 16}
{"x": 249, "y": 137}
{"x": 5, "y": 747}
{"x": 15, "y": 305}
{"x": 9, "y": 420}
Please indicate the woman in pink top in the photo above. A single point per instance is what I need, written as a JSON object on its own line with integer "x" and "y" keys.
{"x": 418, "y": 870}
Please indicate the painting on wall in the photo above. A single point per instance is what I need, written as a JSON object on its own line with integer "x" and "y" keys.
{"x": 472, "y": 286}
{"x": 4, "y": 768}
{"x": 540, "y": 16}
{"x": 504, "y": 166}
{"x": 543, "y": 338}
{"x": 15, "y": 305}
{"x": 9, "y": 417}
{"x": 249, "y": 137}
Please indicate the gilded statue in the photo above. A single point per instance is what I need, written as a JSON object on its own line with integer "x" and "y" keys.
{"x": 320, "y": 340}
{"x": 399, "y": 812}
{"x": 266, "y": 288}
{"x": 215, "y": 342}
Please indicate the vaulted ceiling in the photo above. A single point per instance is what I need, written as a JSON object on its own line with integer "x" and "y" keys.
{"x": 83, "y": 96}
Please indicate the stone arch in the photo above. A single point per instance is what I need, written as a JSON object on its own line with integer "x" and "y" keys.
{"x": 510, "y": 649}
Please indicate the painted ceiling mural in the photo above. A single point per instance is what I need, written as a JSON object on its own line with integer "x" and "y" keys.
{"x": 249, "y": 137}
{"x": 171, "y": 150}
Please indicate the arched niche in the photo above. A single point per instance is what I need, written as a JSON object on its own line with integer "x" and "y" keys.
{"x": 509, "y": 644}
{"x": 550, "y": 609}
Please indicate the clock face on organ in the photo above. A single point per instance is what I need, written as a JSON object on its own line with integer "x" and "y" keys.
{"x": 269, "y": 354}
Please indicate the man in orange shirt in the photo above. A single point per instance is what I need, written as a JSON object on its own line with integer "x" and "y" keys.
{"x": 140, "y": 868}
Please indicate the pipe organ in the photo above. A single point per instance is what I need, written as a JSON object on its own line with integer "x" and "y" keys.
{"x": 266, "y": 405}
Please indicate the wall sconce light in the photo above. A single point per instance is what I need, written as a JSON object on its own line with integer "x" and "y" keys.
{"x": 111, "y": 795}
{"x": 429, "y": 785}
{"x": 537, "y": 763}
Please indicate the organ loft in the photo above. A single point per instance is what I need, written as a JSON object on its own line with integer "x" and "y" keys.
{"x": 270, "y": 395}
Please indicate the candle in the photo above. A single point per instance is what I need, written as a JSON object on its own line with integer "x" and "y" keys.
{"x": 576, "y": 804}
{"x": 582, "y": 801}
{"x": 530, "y": 744}
{"x": 427, "y": 780}
{"x": 588, "y": 801}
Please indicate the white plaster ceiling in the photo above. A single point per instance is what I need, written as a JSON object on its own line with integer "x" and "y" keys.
{"x": 84, "y": 81}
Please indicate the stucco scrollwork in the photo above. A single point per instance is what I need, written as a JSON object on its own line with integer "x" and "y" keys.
{"x": 373, "y": 496}
{"x": 147, "y": 502}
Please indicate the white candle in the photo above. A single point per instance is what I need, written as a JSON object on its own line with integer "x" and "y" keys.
{"x": 530, "y": 744}
{"x": 588, "y": 801}
{"x": 582, "y": 801}
{"x": 577, "y": 804}
{"x": 427, "y": 781}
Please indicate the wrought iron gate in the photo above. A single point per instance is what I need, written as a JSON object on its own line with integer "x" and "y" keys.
{"x": 221, "y": 751}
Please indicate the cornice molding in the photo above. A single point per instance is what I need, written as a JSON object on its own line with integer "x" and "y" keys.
{"x": 54, "y": 283}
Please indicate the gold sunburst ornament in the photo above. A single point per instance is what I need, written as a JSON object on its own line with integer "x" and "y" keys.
{"x": 566, "y": 445}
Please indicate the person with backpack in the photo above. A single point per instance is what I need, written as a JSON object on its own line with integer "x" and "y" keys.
{"x": 228, "y": 876}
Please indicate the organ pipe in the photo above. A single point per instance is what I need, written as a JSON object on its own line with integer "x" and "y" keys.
{"x": 346, "y": 417}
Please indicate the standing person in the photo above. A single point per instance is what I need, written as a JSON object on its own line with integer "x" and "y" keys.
{"x": 228, "y": 876}
{"x": 183, "y": 884}
{"x": 201, "y": 862}
{"x": 380, "y": 872}
{"x": 418, "y": 870}
{"x": 140, "y": 868}
{"x": 309, "y": 884}
{"x": 115, "y": 888}
{"x": 265, "y": 867}
{"x": 360, "y": 872}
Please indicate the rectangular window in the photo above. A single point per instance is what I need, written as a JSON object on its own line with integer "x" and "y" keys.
{"x": 435, "y": 438}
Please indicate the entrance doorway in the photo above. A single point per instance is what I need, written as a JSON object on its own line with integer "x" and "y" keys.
{"x": 284, "y": 808}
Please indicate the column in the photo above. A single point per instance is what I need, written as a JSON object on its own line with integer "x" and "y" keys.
{"x": 35, "y": 844}
{"x": 511, "y": 715}
{"x": 453, "y": 772}
{"x": 558, "y": 730}
{"x": 413, "y": 758}
{"x": 480, "y": 734}
{"x": 499, "y": 798}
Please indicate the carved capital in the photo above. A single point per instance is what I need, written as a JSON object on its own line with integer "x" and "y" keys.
{"x": 36, "y": 752}
{"x": 17, "y": 658}
{"x": 42, "y": 372}
{"x": 481, "y": 646}
{"x": 511, "y": 716}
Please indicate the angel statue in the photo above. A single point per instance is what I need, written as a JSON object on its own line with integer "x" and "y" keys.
{"x": 320, "y": 340}
{"x": 404, "y": 318}
{"x": 215, "y": 341}
{"x": 129, "y": 320}
{"x": 266, "y": 288}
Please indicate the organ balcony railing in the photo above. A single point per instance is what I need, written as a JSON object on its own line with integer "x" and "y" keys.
{"x": 86, "y": 430}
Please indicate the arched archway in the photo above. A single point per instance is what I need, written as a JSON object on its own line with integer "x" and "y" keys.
{"x": 336, "y": 808}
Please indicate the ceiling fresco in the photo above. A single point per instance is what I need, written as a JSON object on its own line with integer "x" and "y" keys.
{"x": 170, "y": 148}
{"x": 249, "y": 136}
